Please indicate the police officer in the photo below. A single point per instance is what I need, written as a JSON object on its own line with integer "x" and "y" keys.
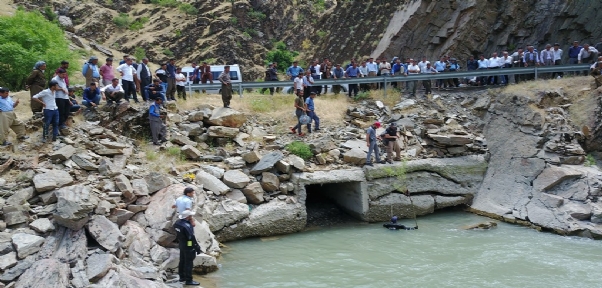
{"x": 188, "y": 245}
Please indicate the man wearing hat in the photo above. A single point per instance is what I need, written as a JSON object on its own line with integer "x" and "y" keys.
{"x": 188, "y": 245}
{"x": 372, "y": 143}
{"x": 91, "y": 71}
{"x": 8, "y": 118}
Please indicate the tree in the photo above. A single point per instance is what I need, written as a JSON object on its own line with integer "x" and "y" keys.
{"x": 28, "y": 37}
{"x": 283, "y": 56}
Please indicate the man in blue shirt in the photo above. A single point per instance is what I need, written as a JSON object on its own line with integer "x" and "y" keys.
{"x": 337, "y": 73}
{"x": 155, "y": 90}
{"x": 8, "y": 118}
{"x": 353, "y": 72}
{"x": 91, "y": 96}
{"x": 371, "y": 142}
{"x": 294, "y": 71}
{"x": 155, "y": 118}
{"x": 185, "y": 201}
{"x": 311, "y": 112}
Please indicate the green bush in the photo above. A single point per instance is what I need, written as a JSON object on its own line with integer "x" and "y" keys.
{"x": 361, "y": 96}
{"x": 122, "y": 21}
{"x": 590, "y": 160}
{"x": 188, "y": 9}
{"x": 300, "y": 149}
{"x": 166, "y": 3}
{"x": 282, "y": 55}
{"x": 319, "y": 5}
{"x": 49, "y": 13}
{"x": 233, "y": 20}
{"x": 139, "y": 53}
{"x": 139, "y": 23}
{"x": 168, "y": 52}
{"x": 256, "y": 15}
{"x": 28, "y": 37}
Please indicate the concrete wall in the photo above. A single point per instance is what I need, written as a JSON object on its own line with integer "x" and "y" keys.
{"x": 350, "y": 196}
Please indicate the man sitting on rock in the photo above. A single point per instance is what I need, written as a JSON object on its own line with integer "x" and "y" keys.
{"x": 8, "y": 118}
{"x": 155, "y": 90}
{"x": 113, "y": 92}
{"x": 188, "y": 245}
{"x": 158, "y": 130}
{"x": 91, "y": 96}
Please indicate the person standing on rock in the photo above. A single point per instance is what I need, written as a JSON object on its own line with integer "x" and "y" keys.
{"x": 62, "y": 98}
{"x": 390, "y": 138}
{"x": 180, "y": 83}
{"x": 171, "y": 80}
{"x": 46, "y": 99}
{"x": 161, "y": 73}
{"x": 8, "y": 118}
{"x": 185, "y": 201}
{"x": 91, "y": 71}
{"x": 64, "y": 66}
{"x": 372, "y": 143}
{"x": 127, "y": 79}
{"x": 158, "y": 129}
{"x": 224, "y": 78}
{"x": 36, "y": 83}
{"x": 144, "y": 76}
{"x": 188, "y": 245}
{"x": 300, "y": 110}
{"x": 311, "y": 112}
{"x": 106, "y": 72}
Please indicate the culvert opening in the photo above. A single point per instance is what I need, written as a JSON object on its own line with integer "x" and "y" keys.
{"x": 333, "y": 203}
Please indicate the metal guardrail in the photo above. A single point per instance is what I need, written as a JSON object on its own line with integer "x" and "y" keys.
{"x": 240, "y": 86}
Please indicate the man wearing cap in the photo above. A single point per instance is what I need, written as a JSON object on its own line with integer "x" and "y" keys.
{"x": 185, "y": 201}
{"x": 91, "y": 96}
{"x": 188, "y": 245}
{"x": 311, "y": 112}
{"x": 158, "y": 130}
{"x": 106, "y": 71}
{"x": 91, "y": 71}
{"x": 8, "y": 118}
{"x": 372, "y": 143}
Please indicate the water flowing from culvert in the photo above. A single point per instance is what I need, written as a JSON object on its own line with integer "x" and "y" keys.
{"x": 439, "y": 254}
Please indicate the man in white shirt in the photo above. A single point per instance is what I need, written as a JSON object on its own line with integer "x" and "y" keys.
{"x": 494, "y": 63}
{"x": 413, "y": 69}
{"x": 127, "y": 79}
{"x": 298, "y": 83}
{"x": 372, "y": 71}
{"x": 62, "y": 98}
{"x": 506, "y": 61}
{"x": 557, "y": 60}
{"x": 427, "y": 83}
{"x": 180, "y": 83}
{"x": 483, "y": 64}
{"x": 422, "y": 64}
{"x": 113, "y": 91}
{"x": 587, "y": 54}
{"x": 51, "y": 112}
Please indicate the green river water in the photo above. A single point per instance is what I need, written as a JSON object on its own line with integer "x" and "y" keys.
{"x": 439, "y": 254}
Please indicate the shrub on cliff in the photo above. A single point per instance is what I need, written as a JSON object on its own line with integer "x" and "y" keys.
{"x": 28, "y": 37}
{"x": 300, "y": 149}
{"x": 282, "y": 55}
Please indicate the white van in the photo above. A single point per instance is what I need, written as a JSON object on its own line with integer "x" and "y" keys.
{"x": 235, "y": 75}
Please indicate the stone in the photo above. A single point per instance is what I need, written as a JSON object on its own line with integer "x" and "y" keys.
{"x": 162, "y": 238}
{"x": 62, "y": 154}
{"x": 156, "y": 181}
{"x": 596, "y": 213}
{"x": 80, "y": 277}
{"x": 26, "y": 244}
{"x": 140, "y": 187}
{"x": 65, "y": 245}
{"x": 123, "y": 184}
{"x": 137, "y": 242}
{"x": 22, "y": 265}
{"x": 105, "y": 232}
{"x": 21, "y": 196}
{"x": 578, "y": 211}
{"x": 120, "y": 216}
{"x": 42, "y": 225}
{"x": 283, "y": 188}
{"x": 446, "y": 201}
{"x": 236, "y": 179}
{"x": 190, "y": 152}
{"x": 355, "y": 156}
{"x": 554, "y": 175}
{"x": 107, "y": 168}
{"x": 66, "y": 23}
{"x": 204, "y": 263}
{"x": 174, "y": 118}
{"x": 222, "y": 132}
{"x": 84, "y": 163}
{"x": 241, "y": 138}
{"x": 237, "y": 195}
{"x": 451, "y": 140}
{"x": 296, "y": 161}
{"x": 267, "y": 162}
{"x": 481, "y": 226}
{"x": 321, "y": 159}
{"x": 235, "y": 162}
{"x": 6, "y": 247}
{"x": 158, "y": 254}
{"x": 213, "y": 170}
{"x": 108, "y": 152}
{"x": 48, "y": 198}
{"x": 45, "y": 273}
{"x": 159, "y": 213}
{"x": 8, "y": 260}
{"x": 15, "y": 214}
{"x": 73, "y": 205}
{"x": 193, "y": 129}
{"x": 269, "y": 182}
{"x": 211, "y": 183}
{"x": 251, "y": 157}
{"x": 405, "y": 104}
{"x": 103, "y": 207}
{"x": 322, "y": 144}
{"x": 283, "y": 167}
{"x": 113, "y": 145}
{"x": 182, "y": 140}
{"x": 137, "y": 208}
{"x": 254, "y": 193}
{"x": 227, "y": 117}
{"x": 380, "y": 209}
{"x": 51, "y": 180}
{"x": 224, "y": 213}
{"x": 196, "y": 116}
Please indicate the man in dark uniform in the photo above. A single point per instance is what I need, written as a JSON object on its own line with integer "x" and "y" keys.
{"x": 188, "y": 245}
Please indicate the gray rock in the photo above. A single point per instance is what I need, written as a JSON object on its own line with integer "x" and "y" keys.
{"x": 554, "y": 175}
{"x": 211, "y": 183}
{"x": 215, "y": 171}
{"x": 48, "y": 197}
{"x": 137, "y": 208}
{"x": 73, "y": 205}
{"x": 16, "y": 271}
{"x": 137, "y": 242}
{"x": 204, "y": 263}
{"x": 578, "y": 211}
{"x": 190, "y": 152}
{"x": 66, "y": 23}
{"x": 235, "y": 162}
{"x": 105, "y": 232}
{"x": 21, "y": 196}
{"x": 140, "y": 187}
{"x": 237, "y": 195}
{"x": 355, "y": 156}
{"x": 103, "y": 207}
{"x": 445, "y": 201}
{"x": 15, "y": 214}
{"x": 51, "y": 180}
{"x": 6, "y": 247}
{"x": 119, "y": 216}
{"x": 224, "y": 213}
{"x": 251, "y": 157}
{"x": 26, "y": 244}
{"x": 62, "y": 154}
{"x": 193, "y": 129}
{"x": 236, "y": 179}
{"x": 156, "y": 181}
{"x": 162, "y": 238}
{"x": 400, "y": 204}
{"x": 196, "y": 116}
{"x": 45, "y": 273}
{"x": 596, "y": 213}
{"x": 283, "y": 167}
{"x": 107, "y": 168}
{"x": 296, "y": 161}
{"x": 267, "y": 162}
{"x": 84, "y": 163}
{"x": 254, "y": 193}
{"x": 222, "y": 132}
{"x": 405, "y": 104}
{"x": 451, "y": 140}
{"x": 158, "y": 254}
{"x": 123, "y": 184}
{"x": 227, "y": 117}
{"x": 355, "y": 144}
{"x": 8, "y": 260}
{"x": 65, "y": 245}
{"x": 322, "y": 144}
{"x": 80, "y": 278}
{"x": 269, "y": 182}
{"x": 42, "y": 225}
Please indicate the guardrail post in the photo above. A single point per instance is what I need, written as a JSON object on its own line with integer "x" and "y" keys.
{"x": 189, "y": 89}
{"x": 240, "y": 89}
{"x": 385, "y": 87}
{"x": 535, "y": 72}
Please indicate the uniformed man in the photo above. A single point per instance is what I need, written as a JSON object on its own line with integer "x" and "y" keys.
{"x": 188, "y": 245}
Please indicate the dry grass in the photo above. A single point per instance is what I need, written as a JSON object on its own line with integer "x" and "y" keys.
{"x": 570, "y": 85}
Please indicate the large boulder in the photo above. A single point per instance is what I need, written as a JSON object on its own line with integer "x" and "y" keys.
{"x": 15, "y": 214}
{"x": 236, "y": 179}
{"x": 63, "y": 154}
{"x": 156, "y": 181}
{"x": 224, "y": 213}
{"x": 48, "y": 273}
{"x": 400, "y": 204}
{"x": 73, "y": 205}
{"x": 51, "y": 180}
{"x": 26, "y": 244}
{"x": 213, "y": 170}
{"x": 222, "y": 132}
{"x": 267, "y": 162}
{"x": 159, "y": 212}
{"x": 269, "y": 182}
{"x": 98, "y": 265}
{"x": 105, "y": 232}
{"x": 554, "y": 175}
{"x": 8, "y": 260}
{"x": 123, "y": 184}
{"x": 254, "y": 193}
{"x": 355, "y": 156}
{"x": 65, "y": 245}
{"x": 140, "y": 187}
{"x": 227, "y": 117}
{"x": 190, "y": 152}
{"x": 137, "y": 242}
{"x": 211, "y": 183}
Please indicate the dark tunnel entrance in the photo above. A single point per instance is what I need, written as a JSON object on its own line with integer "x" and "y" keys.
{"x": 333, "y": 204}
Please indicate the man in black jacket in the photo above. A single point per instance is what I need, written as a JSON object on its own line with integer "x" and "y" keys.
{"x": 188, "y": 245}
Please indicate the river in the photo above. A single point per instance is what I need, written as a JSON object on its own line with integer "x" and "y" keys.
{"x": 439, "y": 254}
